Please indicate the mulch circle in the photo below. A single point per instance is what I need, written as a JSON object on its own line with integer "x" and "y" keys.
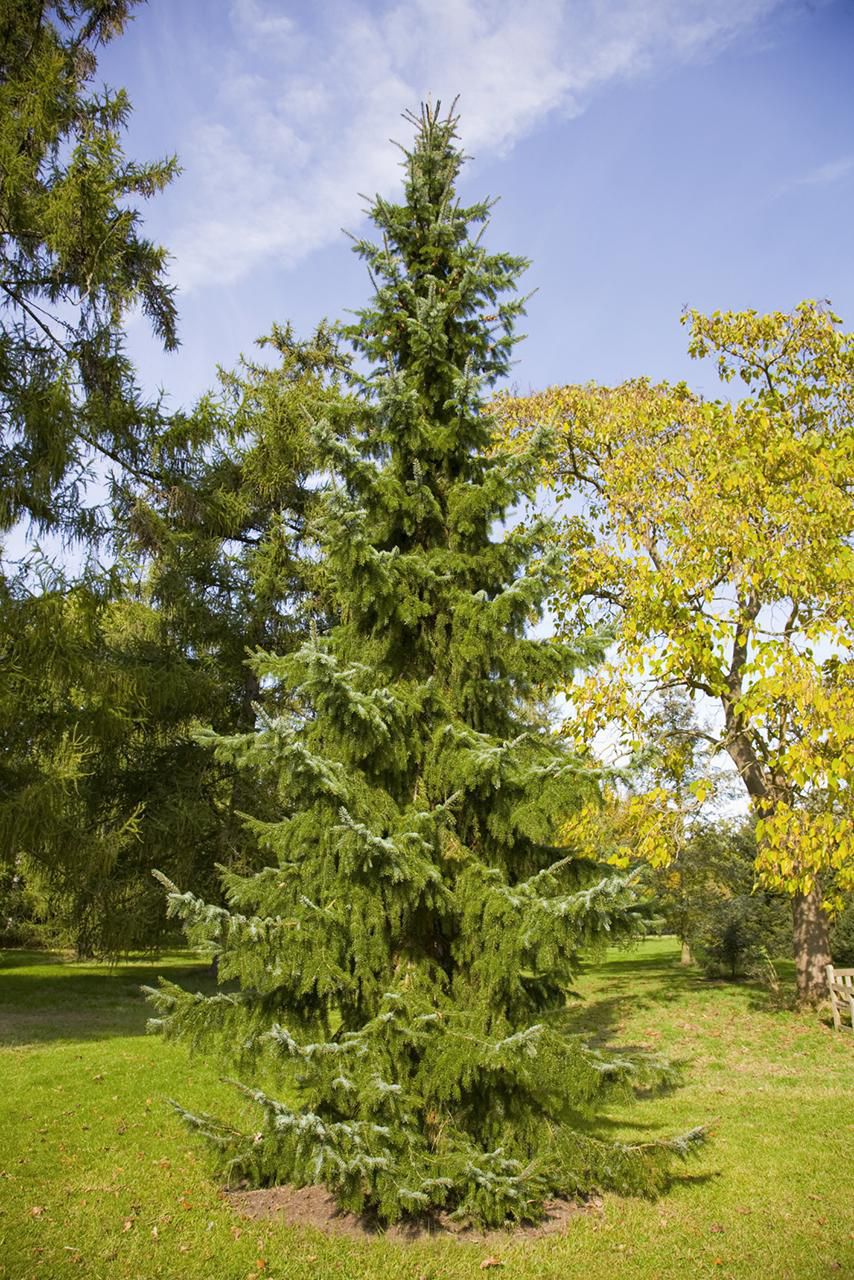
{"x": 315, "y": 1207}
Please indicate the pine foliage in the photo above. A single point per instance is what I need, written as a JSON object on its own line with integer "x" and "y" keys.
{"x": 73, "y": 263}
{"x": 400, "y": 969}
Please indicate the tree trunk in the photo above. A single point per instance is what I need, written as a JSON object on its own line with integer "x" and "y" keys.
{"x": 809, "y": 923}
{"x": 812, "y": 946}
{"x": 686, "y": 957}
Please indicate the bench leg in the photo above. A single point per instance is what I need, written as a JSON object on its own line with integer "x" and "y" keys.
{"x": 834, "y": 1009}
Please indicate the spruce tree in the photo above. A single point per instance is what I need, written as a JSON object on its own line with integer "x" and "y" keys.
{"x": 397, "y": 976}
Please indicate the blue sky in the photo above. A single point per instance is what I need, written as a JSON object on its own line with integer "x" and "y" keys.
{"x": 648, "y": 155}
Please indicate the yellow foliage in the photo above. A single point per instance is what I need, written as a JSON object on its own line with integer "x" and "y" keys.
{"x": 717, "y": 539}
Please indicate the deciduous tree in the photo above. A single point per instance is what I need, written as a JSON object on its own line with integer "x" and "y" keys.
{"x": 717, "y": 540}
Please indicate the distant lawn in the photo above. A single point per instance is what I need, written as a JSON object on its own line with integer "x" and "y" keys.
{"x": 98, "y": 1179}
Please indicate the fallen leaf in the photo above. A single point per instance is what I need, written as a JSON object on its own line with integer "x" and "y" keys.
{"x": 260, "y": 1263}
{"x": 491, "y": 1262}
{"x": 37, "y": 1211}
{"x": 183, "y": 1248}
{"x": 155, "y": 1233}
{"x": 237, "y": 1232}
{"x": 127, "y": 1224}
{"x": 716, "y": 1226}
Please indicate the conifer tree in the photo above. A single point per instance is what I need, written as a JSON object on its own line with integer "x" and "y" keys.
{"x": 402, "y": 964}
{"x": 107, "y": 677}
{"x": 73, "y": 264}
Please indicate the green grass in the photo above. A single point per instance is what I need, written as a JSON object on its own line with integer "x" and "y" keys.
{"x": 98, "y": 1179}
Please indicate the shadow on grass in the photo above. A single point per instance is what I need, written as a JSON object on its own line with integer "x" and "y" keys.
{"x": 44, "y": 998}
{"x": 643, "y": 982}
{"x": 29, "y": 959}
{"x": 694, "y": 1179}
{"x": 632, "y": 983}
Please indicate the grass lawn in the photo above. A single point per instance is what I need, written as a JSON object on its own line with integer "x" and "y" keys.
{"x": 98, "y": 1179}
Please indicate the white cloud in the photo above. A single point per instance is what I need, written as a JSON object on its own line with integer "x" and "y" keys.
{"x": 304, "y": 107}
{"x": 824, "y": 174}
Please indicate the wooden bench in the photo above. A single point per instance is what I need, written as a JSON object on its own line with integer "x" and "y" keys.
{"x": 841, "y": 985}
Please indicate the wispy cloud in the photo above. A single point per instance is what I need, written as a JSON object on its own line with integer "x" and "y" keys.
{"x": 824, "y": 174}
{"x": 305, "y": 104}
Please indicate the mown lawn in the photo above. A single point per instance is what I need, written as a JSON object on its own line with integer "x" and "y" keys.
{"x": 99, "y": 1180}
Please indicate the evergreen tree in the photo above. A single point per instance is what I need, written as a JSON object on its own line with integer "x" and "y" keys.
{"x": 403, "y": 962}
{"x": 108, "y": 677}
{"x": 72, "y": 264}
{"x": 100, "y": 778}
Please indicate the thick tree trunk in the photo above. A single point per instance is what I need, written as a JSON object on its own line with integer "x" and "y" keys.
{"x": 812, "y": 946}
{"x": 686, "y": 957}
